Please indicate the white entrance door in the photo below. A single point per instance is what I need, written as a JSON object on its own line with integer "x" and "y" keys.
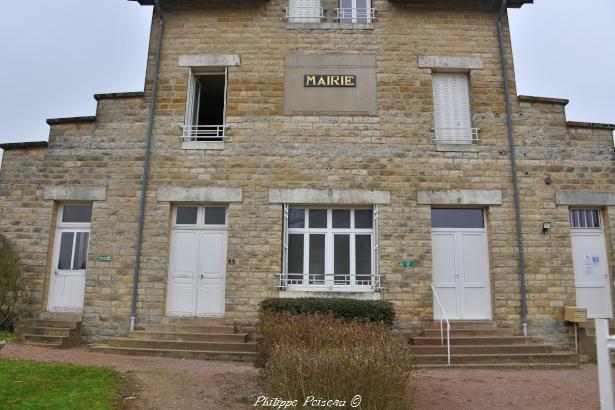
{"x": 70, "y": 254}
{"x": 461, "y": 263}
{"x": 197, "y": 265}
{"x": 591, "y": 273}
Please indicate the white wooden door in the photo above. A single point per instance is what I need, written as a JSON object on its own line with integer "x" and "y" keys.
{"x": 461, "y": 264}
{"x": 70, "y": 254}
{"x": 591, "y": 273}
{"x": 197, "y": 264}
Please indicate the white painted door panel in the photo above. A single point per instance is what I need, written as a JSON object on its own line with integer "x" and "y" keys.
{"x": 591, "y": 272}
{"x": 210, "y": 299}
{"x": 183, "y": 268}
{"x": 461, "y": 274}
{"x": 67, "y": 284}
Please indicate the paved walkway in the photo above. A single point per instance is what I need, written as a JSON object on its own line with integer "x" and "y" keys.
{"x": 161, "y": 383}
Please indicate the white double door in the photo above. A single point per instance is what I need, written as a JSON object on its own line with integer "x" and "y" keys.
{"x": 461, "y": 273}
{"x": 197, "y": 272}
{"x": 591, "y": 272}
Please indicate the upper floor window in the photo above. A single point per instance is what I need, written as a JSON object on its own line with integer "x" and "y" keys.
{"x": 304, "y": 11}
{"x": 355, "y": 11}
{"x": 206, "y": 109}
{"x": 451, "y": 95}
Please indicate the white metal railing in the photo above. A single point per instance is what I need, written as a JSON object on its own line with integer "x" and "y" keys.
{"x": 355, "y": 15}
{"x": 604, "y": 344}
{"x": 448, "y": 326}
{"x": 329, "y": 280}
{"x": 457, "y": 135}
{"x": 204, "y": 132}
{"x": 304, "y": 14}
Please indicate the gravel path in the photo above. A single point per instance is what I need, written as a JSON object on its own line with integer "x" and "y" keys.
{"x": 161, "y": 383}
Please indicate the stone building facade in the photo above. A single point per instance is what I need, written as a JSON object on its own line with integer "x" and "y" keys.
{"x": 376, "y": 146}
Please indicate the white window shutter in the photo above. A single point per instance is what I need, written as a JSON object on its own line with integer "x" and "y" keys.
{"x": 304, "y": 11}
{"x": 451, "y": 97}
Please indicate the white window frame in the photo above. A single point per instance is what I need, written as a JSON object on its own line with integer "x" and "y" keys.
{"x": 329, "y": 232}
{"x": 366, "y": 16}
{"x": 200, "y": 217}
{"x": 600, "y": 219}
{"x": 212, "y": 132}
{"x": 71, "y": 227}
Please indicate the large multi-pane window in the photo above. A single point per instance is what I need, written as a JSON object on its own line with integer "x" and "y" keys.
{"x": 329, "y": 247}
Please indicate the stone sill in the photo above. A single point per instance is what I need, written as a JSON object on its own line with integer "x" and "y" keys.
{"x": 329, "y": 26}
{"x": 336, "y": 293}
{"x": 203, "y": 145}
{"x": 456, "y": 147}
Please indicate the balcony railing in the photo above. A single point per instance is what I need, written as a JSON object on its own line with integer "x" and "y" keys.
{"x": 329, "y": 281}
{"x": 193, "y": 133}
{"x": 305, "y": 14}
{"x": 355, "y": 15}
{"x": 457, "y": 135}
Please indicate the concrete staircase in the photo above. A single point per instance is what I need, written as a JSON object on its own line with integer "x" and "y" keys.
{"x": 53, "y": 329}
{"x": 483, "y": 344}
{"x": 186, "y": 339}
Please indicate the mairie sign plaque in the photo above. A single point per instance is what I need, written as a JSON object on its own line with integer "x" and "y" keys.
{"x": 329, "y": 80}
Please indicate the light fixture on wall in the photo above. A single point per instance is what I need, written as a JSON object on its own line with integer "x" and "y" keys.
{"x": 546, "y": 226}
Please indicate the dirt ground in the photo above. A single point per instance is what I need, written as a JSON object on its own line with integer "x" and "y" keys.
{"x": 160, "y": 383}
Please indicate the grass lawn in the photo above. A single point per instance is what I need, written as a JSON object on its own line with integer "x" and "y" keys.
{"x": 30, "y": 385}
{"x": 6, "y": 336}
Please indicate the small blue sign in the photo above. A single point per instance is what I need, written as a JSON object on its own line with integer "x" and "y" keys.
{"x": 595, "y": 259}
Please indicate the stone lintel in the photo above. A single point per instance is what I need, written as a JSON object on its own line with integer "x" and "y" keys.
{"x": 209, "y": 60}
{"x": 202, "y": 194}
{"x": 460, "y": 197}
{"x": 327, "y": 196}
{"x": 580, "y": 198}
{"x": 441, "y": 63}
{"x": 75, "y": 193}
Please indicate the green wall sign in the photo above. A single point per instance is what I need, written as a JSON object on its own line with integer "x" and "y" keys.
{"x": 407, "y": 264}
{"x": 104, "y": 258}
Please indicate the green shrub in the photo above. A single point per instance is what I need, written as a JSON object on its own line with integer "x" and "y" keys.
{"x": 11, "y": 284}
{"x": 330, "y": 358}
{"x": 348, "y": 309}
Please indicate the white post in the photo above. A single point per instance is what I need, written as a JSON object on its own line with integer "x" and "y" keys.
{"x": 605, "y": 375}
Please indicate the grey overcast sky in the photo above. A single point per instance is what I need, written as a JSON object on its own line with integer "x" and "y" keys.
{"x": 54, "y": 55}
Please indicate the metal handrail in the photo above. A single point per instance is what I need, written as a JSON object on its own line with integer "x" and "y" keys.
{"x": 457, "y": 135}
{"x": 359, "y": 15}
{"x": 448, "y": 325}
{"x": 328, "y": 280}
{"x": 204, "y": 132}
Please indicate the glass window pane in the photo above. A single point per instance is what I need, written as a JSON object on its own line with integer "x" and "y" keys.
{"x": 317, "y": 256}
{"x": 363, "y": 219}
{"x": 341, "y": 259}
{"x": 215, "y": 216}
{"x": 81, "y": 251}
{"x": 186, "y": 215}
{"x": 77, "y": 213}
{"x": 595, "y": 218}
{"x": 318, "y": 218}
{"x": 341, "y": 218}
{"x": 296, "y": 218}
{"x": 66, "y": 250}
{"x": 295, "y": 253}
{"x": 457, "y": 218}
{"x": 363, "y": 255}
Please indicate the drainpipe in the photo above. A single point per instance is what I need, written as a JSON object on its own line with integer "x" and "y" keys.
{"x": 513, "y": 162}
{"x": 146, "y": 166}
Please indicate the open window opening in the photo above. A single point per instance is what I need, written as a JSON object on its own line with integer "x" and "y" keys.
{"x": 206, "y": 110}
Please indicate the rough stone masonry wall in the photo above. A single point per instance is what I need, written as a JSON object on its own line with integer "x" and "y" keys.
{"x": 576, "y": 159}
{"x": 392, "y": 151}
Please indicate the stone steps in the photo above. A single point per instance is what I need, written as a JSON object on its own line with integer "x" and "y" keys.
{"x": 53, "y": 329}
{"x": 181, "y": 354}
{"x": 476, "y": 340}
{"x": 482, "y": 343}
{"x": 484, "y": 349}
{"x": 186, "y": 338}
{"x": 508, "y": 358}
